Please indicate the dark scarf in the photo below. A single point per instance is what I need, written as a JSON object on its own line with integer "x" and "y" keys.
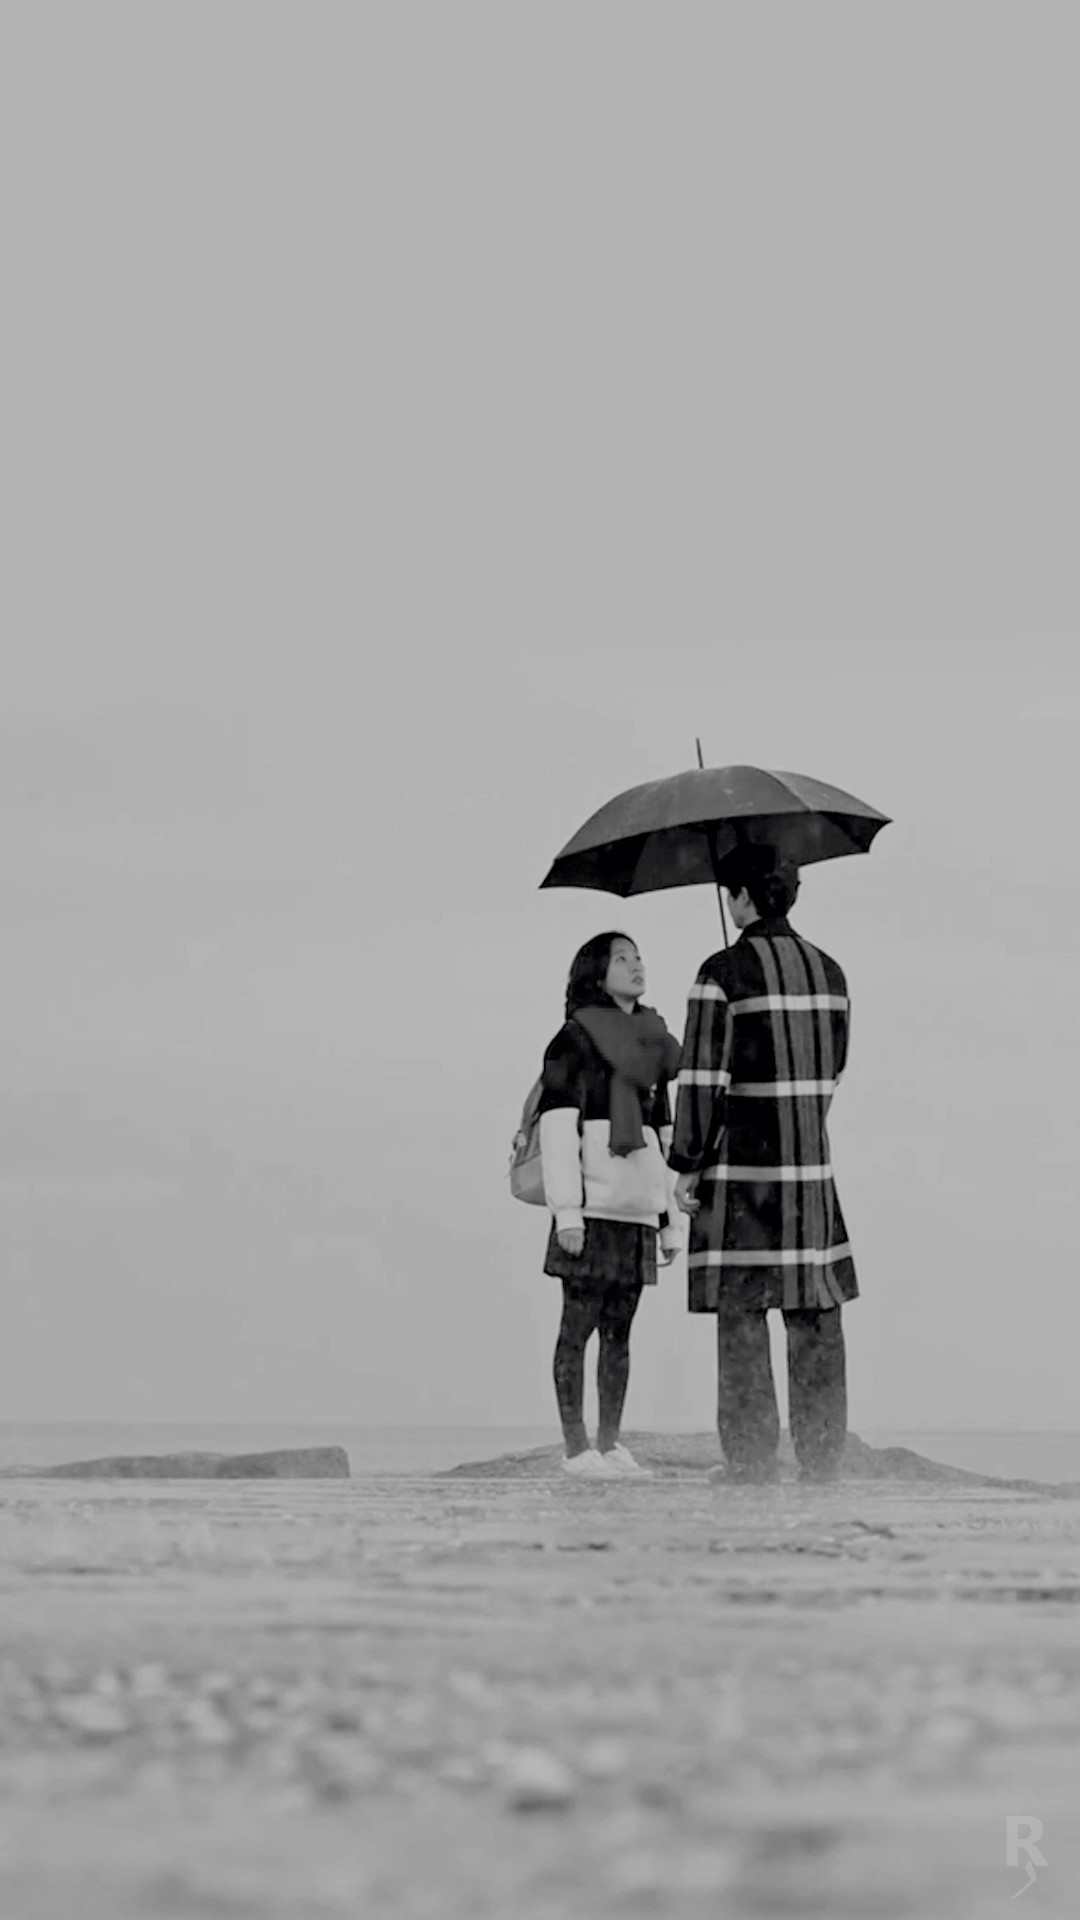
{"x": 640, "y": 1051}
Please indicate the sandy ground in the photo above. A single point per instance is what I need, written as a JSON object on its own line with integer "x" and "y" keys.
{"x": 518, "y": 1697}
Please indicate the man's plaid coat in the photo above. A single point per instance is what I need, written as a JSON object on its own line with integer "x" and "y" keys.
{"x": 766, "y": 1042}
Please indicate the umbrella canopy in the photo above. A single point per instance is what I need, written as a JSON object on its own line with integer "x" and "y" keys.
{"x": 678, "y": 832}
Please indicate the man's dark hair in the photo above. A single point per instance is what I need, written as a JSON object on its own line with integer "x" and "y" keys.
{"x": 771, "y": 882}
{"x": 588, "y": 971}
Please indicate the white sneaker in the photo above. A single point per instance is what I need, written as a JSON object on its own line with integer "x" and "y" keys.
{"x": 589, "y": 1465}
{"x": 625, "y": 1465}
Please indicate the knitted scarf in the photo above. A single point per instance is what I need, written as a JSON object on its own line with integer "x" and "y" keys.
{"x": 640, "y": 1051}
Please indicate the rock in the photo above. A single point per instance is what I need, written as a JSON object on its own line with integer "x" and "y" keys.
{"x": 681, "y": 1453}
{"x": 286, "y": 1463}
{"x": 289, "y": 1463}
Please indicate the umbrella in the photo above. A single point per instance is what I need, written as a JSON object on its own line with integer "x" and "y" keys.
{"x": 678, "y": 832}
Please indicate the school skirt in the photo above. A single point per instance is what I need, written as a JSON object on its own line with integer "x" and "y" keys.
{"x": 616, "y": 1253}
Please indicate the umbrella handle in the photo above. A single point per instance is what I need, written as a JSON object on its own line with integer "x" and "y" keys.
{"x": 714, "y": 859}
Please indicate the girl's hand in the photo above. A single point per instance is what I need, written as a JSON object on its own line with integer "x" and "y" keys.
{"x": 572, "y": 1241}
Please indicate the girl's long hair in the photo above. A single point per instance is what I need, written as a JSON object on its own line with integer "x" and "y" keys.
{"x": 588, "y": 971}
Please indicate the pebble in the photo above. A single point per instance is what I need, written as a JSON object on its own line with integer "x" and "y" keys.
{"x": 459, "y": 1771}
{"x": 92, "y": 1715}
{"x": 210, "y": 1728}
{"x": 1048, "y": 1683}
{"x": 536, "y": 1781}
{"x": 149, "y": 1681}
{"x": 216, "y": 1682}
{"x": 704, "y": 1870}
{"x": 697, "y": 1871}
{"x": 636, "y": 1873}
{"x": 603, "y": 1759}
{"x": 949, "y": 1731}
{"x": 945, "y": 1742}
{"x": 336, "y": 1768}
{"x": 470, "y": 1687}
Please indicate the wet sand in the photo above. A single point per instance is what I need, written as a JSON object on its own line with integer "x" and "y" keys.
{"x": 511, "y": 1696}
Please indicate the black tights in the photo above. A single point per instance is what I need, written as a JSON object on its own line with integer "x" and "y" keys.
{"x": 607, "y": 1309}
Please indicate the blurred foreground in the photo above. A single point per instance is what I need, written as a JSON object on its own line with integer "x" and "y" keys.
{"x": 456, "y": 1697}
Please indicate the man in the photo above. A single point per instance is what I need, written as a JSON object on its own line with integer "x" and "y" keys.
{"x": 766, "y": 1043}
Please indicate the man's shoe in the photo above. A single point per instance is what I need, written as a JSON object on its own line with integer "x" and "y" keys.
{"x": 625, "y": 1465}
{"x": 589, "y": 1465}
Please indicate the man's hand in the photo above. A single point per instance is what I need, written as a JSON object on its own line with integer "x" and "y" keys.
{"x": 665, "y": 1255}
{"x": 686, "y": 1192}
{"x": 572, "y": 1241}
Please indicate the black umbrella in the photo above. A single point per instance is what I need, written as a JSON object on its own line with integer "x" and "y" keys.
{"x": 678, "y": 832}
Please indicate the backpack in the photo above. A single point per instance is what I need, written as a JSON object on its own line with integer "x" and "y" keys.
{"x": 526, "y": 1172}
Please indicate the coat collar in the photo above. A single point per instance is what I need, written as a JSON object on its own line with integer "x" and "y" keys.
{"x": 766, "y": 927}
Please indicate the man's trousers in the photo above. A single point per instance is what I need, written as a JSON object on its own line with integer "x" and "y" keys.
{"x": 747, "y": 1413}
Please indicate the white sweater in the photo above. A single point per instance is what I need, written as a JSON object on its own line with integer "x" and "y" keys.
{"x": 584, "y": 1180}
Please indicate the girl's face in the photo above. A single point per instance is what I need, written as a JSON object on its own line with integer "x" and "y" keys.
{"x": 625, "y": 979}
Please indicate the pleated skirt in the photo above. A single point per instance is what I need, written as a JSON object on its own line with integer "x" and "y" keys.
{"x": 616, "y": 1253}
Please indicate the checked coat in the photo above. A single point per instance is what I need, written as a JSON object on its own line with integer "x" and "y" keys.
{"x": 766, "y": 1043}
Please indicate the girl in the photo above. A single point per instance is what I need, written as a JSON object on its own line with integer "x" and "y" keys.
{"x": 603, "y": 1110}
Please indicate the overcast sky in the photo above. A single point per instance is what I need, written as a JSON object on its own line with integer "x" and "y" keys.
{"x": 420, "y": 422}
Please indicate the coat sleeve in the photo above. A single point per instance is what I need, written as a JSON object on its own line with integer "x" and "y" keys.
{"x": 562, "y": 1102}
{"x": 704, "y": 1075}
{"x": 843, "y": 1042}
{"x": 841, "y": 1033}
